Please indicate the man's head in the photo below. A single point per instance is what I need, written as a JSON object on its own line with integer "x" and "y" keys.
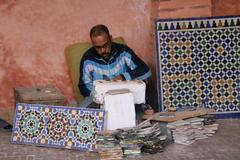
{"x": 101, "y": 40}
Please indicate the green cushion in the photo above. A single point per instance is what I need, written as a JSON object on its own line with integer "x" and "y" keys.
{"x": 74, "y": 54}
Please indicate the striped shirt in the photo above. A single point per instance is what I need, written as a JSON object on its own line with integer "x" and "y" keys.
{"x": 123, "y": 61}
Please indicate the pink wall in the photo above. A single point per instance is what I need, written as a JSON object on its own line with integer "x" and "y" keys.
{"x": 226, "y": 7}
{"x": 34, "y": 34}
{"x": 184, "y": 8}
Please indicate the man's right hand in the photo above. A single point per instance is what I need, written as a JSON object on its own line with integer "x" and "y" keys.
{"x": 118, "y": 78}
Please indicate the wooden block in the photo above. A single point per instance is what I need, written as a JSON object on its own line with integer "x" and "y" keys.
{"x": 39, "y": 94}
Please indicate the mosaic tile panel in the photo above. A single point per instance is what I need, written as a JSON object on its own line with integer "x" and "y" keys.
{"x": 57, "y": 126}
{"x": 199, "y": 63}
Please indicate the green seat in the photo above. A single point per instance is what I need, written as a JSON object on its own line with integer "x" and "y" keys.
{"x": 74, "y": 54}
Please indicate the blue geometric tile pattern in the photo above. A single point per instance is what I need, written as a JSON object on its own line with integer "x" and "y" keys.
{"x": 57, "y": 126}
{"x": 199, "y": 63}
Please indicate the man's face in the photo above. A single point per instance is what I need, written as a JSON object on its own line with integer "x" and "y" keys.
{"x": 102, "y": 43}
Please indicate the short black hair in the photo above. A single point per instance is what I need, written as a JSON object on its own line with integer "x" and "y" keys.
{"x": 99, "y": 30}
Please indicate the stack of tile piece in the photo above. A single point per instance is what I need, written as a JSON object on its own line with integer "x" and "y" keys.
{"x": 209, "y": 123}
{"x": 197, "y": 128}
{"x": 187, "y": 131}
{"x": 182, "y": 132}
{"x": 148, "y": 138}
{"x": 131, "y": 150}
{"x": 108, "y": 148}
{"x": 130, "y": 144}
{"x": 210, "y": 129}
{"x": 208, "y": 119}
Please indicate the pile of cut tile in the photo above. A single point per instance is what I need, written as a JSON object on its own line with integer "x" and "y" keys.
{"x": 131, "y": 142}
{"x": 188, "y": 131}
{"x": 108, "y": 148}
{"x": 208, "y": 119}
{"x": 210, "y": 127}
{"x": 148, "y": 138}
{"x": 181, "y": 132}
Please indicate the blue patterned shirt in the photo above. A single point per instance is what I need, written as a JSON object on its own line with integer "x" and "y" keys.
{"x": 123, "y": 61}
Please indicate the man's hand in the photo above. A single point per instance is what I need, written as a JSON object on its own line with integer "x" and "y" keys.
{"x": 117, "y": 78}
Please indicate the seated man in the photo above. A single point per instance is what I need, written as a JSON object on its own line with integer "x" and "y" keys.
{"x": 107, "y": 60}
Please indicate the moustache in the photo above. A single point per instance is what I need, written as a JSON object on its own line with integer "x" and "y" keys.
{"x": 105, "y": 55}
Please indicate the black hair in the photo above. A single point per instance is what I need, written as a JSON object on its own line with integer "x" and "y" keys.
{"x": 99, "y": 30}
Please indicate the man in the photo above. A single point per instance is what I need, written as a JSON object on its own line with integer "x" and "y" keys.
{"x": 109, "y": 61}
